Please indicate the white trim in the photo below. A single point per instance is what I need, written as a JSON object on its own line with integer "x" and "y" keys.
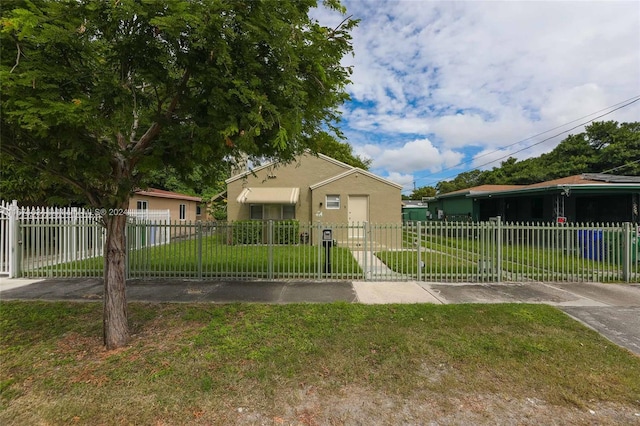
{"x": 275, "y": 162}
{"x": 350, "y": 172}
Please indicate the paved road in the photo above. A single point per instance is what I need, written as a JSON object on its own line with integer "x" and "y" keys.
{"x": 611, "y": 309}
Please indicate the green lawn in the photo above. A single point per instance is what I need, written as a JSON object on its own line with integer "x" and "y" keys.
{"x": 199, "y": 363}
{"x": 211, "y": 257}
{"x": 445, "y": 256}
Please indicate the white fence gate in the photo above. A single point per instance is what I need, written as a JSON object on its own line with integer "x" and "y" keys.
{"x": 8, "y": 238}
{"x": 39, "y": 237}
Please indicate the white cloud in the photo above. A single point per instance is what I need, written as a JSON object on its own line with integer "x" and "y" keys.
{"x": 401, "y": 179}
{"x": 452, "y": 75}
{"x": 410, "y": 157}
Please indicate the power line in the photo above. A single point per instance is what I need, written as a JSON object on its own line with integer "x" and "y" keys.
{"x": 615, "y": 168}
{"x": 625, "y": 103}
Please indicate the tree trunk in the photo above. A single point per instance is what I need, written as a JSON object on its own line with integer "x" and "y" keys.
{"x": 115, "y": 321}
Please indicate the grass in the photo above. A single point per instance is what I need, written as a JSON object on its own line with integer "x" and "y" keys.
{"x": 450, "y": 258}
{"x": 218, "y": 259}
{"x": 200, "y": 363}
{"x": 445, "y": 258}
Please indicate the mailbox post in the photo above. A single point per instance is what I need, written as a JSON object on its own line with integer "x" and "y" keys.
{"x": 327, "y": 242}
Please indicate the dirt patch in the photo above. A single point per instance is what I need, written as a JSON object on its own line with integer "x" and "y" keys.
{"x": 359, "y": 406}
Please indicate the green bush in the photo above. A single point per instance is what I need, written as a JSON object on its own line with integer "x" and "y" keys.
{"x": 286, "y": 232}
{"x": 247, "y": 232}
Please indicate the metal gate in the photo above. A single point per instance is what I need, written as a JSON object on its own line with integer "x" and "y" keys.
{"x": 8, "y": 238}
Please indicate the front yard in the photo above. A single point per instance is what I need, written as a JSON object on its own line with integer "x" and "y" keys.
{"x": 312, "y": 365}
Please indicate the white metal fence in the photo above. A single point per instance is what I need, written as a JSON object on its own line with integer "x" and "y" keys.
{"x": 61, "y": 239}
{"x": 436, "y": 251}
{"x": 8, "y": 238}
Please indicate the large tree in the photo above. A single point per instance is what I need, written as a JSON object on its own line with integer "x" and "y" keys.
{"x": 96, "y": 94}
{"x": 604, "y": 147}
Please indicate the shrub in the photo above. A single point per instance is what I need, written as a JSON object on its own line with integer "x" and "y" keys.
{"x": 247, "y": 232}
{"x": 286, "y": 232}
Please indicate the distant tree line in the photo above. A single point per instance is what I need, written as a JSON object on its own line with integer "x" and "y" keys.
{"x": 604, "y": 147}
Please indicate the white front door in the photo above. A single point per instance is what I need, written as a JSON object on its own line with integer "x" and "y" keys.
{"x": 358, "y": 208}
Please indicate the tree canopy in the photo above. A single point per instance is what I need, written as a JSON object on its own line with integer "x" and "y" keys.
{"x": 96, "y": 95}
{"x": 609, "y": 147}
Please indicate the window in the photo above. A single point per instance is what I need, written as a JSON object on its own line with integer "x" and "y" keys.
{"x": 256, "y": 212}
{"x": 537, "y": 208}
{"x": 272, "y": 211}
{"x": 288, "y": 211}
{"x": 332, "y": 201}
{"x": 142, "y": 205}
{"x": 198, "y": 210}
{"x": 183, "y": 211}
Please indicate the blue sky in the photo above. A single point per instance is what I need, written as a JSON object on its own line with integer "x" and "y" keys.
{"x": 440, "y": 88}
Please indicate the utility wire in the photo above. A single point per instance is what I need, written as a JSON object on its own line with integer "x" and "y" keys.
{"x": 634, "y": 99}
{"x": 626, "y": 104}
{"x": 620, "y": 167}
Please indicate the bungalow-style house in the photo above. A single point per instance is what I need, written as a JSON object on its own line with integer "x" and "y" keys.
{"x": 590, "y": 197}
{"x": 461, "y": 205}
{"x": 310, "y": 189}
{"x": 181, "y": 207}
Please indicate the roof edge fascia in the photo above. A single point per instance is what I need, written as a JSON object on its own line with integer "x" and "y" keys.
{"x": 558, "y": 187}
{"x": 271, "y": 163}
{"x": 349, "y": 172}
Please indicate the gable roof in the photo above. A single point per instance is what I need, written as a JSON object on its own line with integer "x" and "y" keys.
{"x": 480, "y": 190}
{"x": 350, "y": 172}
{"x": 160, "y": 193}
{"x": 273, "y": 163}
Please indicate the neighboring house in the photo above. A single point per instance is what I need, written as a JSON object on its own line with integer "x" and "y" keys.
{"x": 462, "y": 204}
{"x": 310, "y": 189}
{"x": 180, "y": 206}
{"x": 415, "y": 210}
{"x": 589, "y": 197}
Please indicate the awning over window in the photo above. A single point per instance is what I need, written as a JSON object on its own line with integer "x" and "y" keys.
{"x": 269, "y": 196}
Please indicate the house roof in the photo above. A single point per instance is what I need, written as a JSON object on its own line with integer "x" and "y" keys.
{"x": 160, "y": 193}
{"x": 273, "y": 163}
{"x": 353, "y": 171}
{"x": 414, "y": 203}
{"x": 480, "y": 189}
{"x": 586, "y": 181}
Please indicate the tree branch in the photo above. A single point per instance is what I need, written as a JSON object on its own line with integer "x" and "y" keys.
{"x": 21, "y": 156}
{"x": 154, "y": 129}
{"x": 17, "y": 57}
{"x": 339, "y": 25}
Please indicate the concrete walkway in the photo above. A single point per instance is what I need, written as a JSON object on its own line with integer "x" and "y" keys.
{"x": 374, "y": 268}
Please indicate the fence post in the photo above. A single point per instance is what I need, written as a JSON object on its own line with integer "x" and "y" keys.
{"x": 499, "y": 249}
{"x": 318, "y": 243}
{"x": 199, "y": 238}
{"x": 626, "y": 251}
{"x": 365, "y": 231}
{"x": 127, "y": 243}
{"x": 14, "y": 241}
{"x": 270, "y": 249}
{"x": 419, "y": 260}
